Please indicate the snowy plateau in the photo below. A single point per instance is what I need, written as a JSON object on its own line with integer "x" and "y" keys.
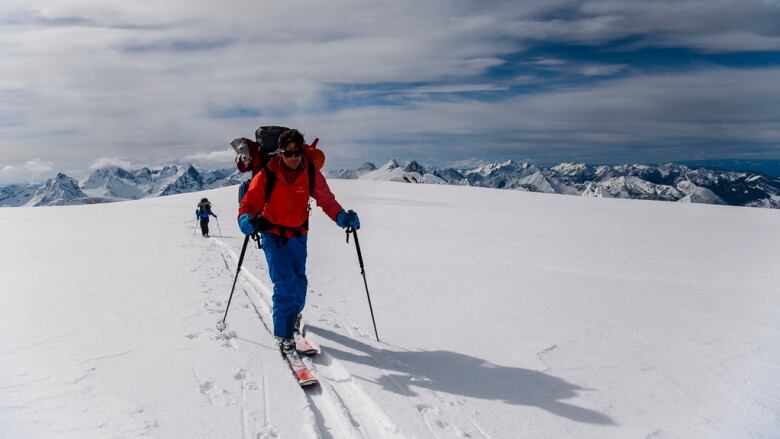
{"x": 501, "y": 314}
{"x": 668, "y": 182}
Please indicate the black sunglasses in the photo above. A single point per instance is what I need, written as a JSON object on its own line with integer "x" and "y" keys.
{"x": 287, "y": 153}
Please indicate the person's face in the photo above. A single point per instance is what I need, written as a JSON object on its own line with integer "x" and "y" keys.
{"x": 292, "y": 156}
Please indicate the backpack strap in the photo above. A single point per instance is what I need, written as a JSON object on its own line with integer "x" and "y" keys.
{"x": 312, "y": 176}
{"x": 270, "y": 182}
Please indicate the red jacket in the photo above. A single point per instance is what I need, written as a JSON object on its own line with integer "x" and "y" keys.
{"x": 288, "y": 205}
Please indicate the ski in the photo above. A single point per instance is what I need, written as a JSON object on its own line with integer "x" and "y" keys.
{"x": 302, "y": 373}
{"x": 306, "y": 347}
{"x": 303, "y": 345}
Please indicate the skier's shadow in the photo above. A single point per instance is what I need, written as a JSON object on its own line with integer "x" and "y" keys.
{"x": 460, "y": 374}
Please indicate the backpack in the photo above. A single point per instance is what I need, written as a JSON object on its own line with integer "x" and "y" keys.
{"x": 268, "y": 142}
{"x": 261, "y": 150}
{"x": 267, "y": 138}
{"x": 203, "y": 207}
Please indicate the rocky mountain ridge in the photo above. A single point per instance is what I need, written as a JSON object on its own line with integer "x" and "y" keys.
{"x": 113, "y": 183}
{"x": 666, "y": 182}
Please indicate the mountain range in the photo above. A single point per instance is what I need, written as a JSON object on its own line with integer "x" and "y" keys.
{"x": 666, "y": 182}
{"x": 113, "y": 183}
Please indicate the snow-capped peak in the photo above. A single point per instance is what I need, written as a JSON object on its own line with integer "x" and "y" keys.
{"x": 569, "y": 168}
{"x": 413, "y": 166}
{"x": 57, "y": 191}
{"x": 491, "y": 168}
{"x": 392, "y": 164}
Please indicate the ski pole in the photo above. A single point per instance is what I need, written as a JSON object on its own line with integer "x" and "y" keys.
{"x": 218, "y": 227}
{"x": 221, "y": 324}
{"x": 363, "y": 272}
{"x": 196, "y": 227}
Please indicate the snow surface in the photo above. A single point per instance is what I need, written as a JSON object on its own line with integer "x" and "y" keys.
{"x": 502, "y": 314}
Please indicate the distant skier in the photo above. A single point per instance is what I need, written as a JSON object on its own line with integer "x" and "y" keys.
{"x": 276, "y": 204}
{"x": 202, "y": 213}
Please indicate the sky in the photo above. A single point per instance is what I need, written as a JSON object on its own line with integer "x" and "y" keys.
{"x": 84, "y": 83}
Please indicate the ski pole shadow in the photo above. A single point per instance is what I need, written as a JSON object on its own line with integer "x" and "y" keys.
{"x": 465, "y": 375}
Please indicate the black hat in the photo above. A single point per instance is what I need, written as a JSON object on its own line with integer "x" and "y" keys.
{"x": 204, "y": 200}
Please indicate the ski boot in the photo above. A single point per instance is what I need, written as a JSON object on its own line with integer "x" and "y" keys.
{"x": 286, "y": 345}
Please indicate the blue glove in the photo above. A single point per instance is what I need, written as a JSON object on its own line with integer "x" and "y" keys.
{"x": 246, "y": 224}
{"x": 348, "y": 219}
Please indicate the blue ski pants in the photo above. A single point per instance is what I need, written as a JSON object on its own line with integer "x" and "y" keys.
{"x": 287, "y": 267}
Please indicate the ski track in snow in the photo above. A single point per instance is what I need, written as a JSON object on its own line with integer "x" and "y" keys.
{"x": 341, "y": 407}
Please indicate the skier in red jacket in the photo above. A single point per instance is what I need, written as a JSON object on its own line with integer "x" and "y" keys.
{"x": 279, "y": 210}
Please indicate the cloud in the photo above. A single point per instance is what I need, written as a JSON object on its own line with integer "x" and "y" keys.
{"x": 109, "y": 78}
{"x": 176, "y": 45}
{"x": 707, "y": 113}
{"x": 10, "y": 174}
{"x": 716, "y": 26}
{"x": 38, "y": 166}
{"x": 731, "y": 41}
{"x": 602, "y": 69}
{"x": 573, "y": 68}
{"x": 458, "y": 88}
{"x": 30, "y": 171}
{"x": 213, "y": 158}
{"x": 14, "y": 13}
{"x": 549, "y": 62}
{"x": 111, "y": 161}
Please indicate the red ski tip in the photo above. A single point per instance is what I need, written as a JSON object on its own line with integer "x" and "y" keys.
{"x": 304, "y": 375}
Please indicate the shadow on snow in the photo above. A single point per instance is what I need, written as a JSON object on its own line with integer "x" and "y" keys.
{"x": 460, "y": 374}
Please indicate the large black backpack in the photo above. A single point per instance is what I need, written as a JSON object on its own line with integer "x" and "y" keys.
{"x": 267, "y": 138}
